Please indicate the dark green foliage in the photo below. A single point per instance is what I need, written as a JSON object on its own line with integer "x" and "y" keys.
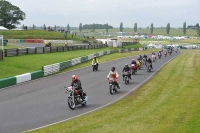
{"x": 10, "y": 15}
{"x": 68, "y": 28}
{"x": 80, "y": 27}
{"x": 44, "y": 27}
{"x": 135, "y": 27}
{"x": 151, "y": 28}
{"x": 184, "y": 28}
{"x": 168, "y": 28}
{"x": 107, "y": 27}
{"x": 121, "y": 27}
{"x": 96, "y": 26}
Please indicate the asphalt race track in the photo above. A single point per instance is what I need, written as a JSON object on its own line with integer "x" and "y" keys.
{"x": 42, "y": 102}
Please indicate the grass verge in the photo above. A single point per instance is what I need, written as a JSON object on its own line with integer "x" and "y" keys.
{"x": 11, "y": 66}
{"x": 169, "y": 102}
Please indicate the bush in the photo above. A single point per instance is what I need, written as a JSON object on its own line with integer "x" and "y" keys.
{"x": 85, "y": 41}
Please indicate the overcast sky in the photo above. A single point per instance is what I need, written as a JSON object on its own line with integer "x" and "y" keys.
{"x": 142, "y": 12}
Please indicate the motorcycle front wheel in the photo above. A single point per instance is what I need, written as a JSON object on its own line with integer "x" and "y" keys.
{"x": 111, "y": 89}
{"x": 71, "y": 103}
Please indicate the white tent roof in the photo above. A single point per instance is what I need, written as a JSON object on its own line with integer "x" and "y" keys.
{"x": 3, "y": 28}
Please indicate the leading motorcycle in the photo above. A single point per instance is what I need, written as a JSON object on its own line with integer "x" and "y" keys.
{"x": 74, "y": 97}
{"x": 112, "y": 86}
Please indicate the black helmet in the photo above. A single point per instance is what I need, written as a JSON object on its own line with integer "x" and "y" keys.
{"x": 113, "y": 69}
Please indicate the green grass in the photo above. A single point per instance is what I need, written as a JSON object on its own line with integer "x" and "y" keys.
{"x": 37, "y": 34}
{"x": 168, "y": 103}
{"x": 11, "y": 66}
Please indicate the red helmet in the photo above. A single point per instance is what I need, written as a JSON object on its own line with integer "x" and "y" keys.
{"x": 74, "y": 78}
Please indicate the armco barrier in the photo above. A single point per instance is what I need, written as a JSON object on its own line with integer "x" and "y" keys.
{"x": 23, "y": 78}
{"x": 36, "y": 74}
{"x": 5, "y": 82}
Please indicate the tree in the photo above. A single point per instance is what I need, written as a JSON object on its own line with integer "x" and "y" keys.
{"x": 10, "y": 15}
{"x": 33, "y": 27}
{"x": 107, "y": 28}
{"x": 68, "y": 28}
{"x": 121, "y": 27}
{"x": 93, "y": 27}
{"x": 54, "y": 28}
{"x": 151, "y": 28}
{"x": 80, "y": 27}
{"x": 135, "y": 27}
{"x": 198, "y": 31}
{"x": 184, "y": 28}
{"x": 197, "y": 25}
{"x": 44, "y": 27}
{"x": 168, "y": 28}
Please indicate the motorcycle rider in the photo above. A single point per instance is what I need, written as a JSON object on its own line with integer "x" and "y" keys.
{"x": 77, "y": 85}
{"x": 127, "y": 69}
{"x": 150, "y": 62}
{"x": 95, "y": 60}
{"x": 114, "y": 74}
{"x": 135, "y": 63}
{"x": 140, "y": 57}
{"x": 159, "y": 53}
{"x": 153, "y": 53}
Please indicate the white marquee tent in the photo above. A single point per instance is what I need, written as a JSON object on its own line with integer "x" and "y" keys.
{"x": 3, "y": 28}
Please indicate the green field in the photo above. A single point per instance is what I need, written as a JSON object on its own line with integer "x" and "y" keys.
{"x": 173, "y": 32}
{"x": 11, "y": 66}
{"x": 41, "y": 34}
{"x": 168, "y": 103}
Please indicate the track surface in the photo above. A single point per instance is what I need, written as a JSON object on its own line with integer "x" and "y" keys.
{"x": 41, "y": 102}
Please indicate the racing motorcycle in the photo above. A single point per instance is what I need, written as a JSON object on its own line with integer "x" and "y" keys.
{"x": 74, "y": 97}
{"x": 159, "y": 55}
{"x": 138, "y": 64}
{"x": 112, "y": 86}
{"x": 153, "y": 58}
{"x": 148, "y": 67}
{"x": 126, "y": 77}
{"x": 94, "y": 66}
{"x": 165, "y": 54}
{"x": 133, "y": 68}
